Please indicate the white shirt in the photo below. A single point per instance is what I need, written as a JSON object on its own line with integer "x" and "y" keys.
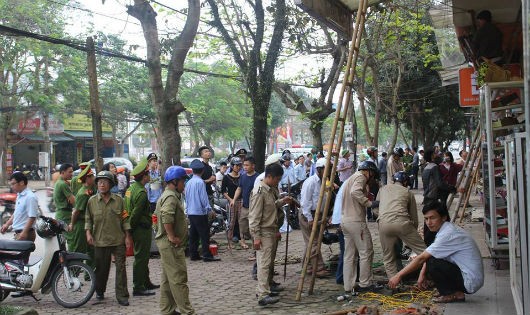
{"x": 457, "y": 246}
{"x": 26, "y": 207}
{"x": 288, "y": 176}
{"x": 299, "y": 171}
{"x": 336, "y": 217}
{"x": 309, "y": 195}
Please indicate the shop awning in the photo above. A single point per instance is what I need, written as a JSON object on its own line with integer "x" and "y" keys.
{"x": 53, "y": 137}
{"x": 86, "y": 134}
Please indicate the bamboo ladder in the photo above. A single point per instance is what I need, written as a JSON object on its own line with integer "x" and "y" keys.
{"x": 341, "y": 114}
{"x": 468, "y": 177}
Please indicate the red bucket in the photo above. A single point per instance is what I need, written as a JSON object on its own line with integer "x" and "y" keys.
{"x": 213, "y": 249}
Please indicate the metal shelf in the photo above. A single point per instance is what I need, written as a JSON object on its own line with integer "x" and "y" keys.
{"x": 507, "y": 127}
{"x": 514, "y": 106}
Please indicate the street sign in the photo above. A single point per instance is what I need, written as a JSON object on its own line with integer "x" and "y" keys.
{"x": 44, "y": 159}
{"x": 332, "y": 13}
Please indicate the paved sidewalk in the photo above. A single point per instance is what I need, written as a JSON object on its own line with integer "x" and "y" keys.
{"x": 226, "y": 287}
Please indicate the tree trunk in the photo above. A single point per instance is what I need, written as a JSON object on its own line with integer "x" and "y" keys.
{"x": 165, "y": 101}
{"x": 316, "y": 131}
{"x": 260, "y": 135}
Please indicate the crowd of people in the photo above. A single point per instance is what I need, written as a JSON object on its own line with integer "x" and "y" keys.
{"x": 106, "y": 216}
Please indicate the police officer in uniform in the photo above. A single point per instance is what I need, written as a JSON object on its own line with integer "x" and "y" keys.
{"x": 77, "y": 224}
{"x": 137, "y": 206}
{"x": 76, "y": 183}
{"x": 171, "y": 238}
{"x": 265, "y": 209}
{"x": 108, "y": 230}
{"x": 64, "y": 199}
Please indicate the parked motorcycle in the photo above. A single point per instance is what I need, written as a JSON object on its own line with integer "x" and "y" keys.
{"x": 71, "y": 281}
{"x": 8, "y": 200}
{"x": 292, "y": 215}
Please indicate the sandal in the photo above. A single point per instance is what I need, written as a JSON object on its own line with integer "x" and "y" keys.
{"x": 243, "y": 245}
{"x": 451, "y": 298}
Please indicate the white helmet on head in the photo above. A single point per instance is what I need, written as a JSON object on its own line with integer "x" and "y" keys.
{"x": 273, "y": 158}
{"x": 320, "y": 163}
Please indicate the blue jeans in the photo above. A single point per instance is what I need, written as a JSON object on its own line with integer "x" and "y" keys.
{"x": 338, "y": 276}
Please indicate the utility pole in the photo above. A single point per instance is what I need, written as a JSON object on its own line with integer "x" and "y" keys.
{"x": 95, "y": 106}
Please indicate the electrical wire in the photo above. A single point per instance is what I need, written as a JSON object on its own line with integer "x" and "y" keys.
{"x": 399, "y": 300}
{"x": 9, "y": 31}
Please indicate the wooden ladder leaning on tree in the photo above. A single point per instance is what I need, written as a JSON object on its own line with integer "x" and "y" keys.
{"x": 341, "y": 114}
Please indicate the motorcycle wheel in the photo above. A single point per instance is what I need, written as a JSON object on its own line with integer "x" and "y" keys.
{"x": 83, "y": 285}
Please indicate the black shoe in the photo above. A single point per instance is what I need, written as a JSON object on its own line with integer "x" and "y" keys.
{"x": 208, "y": 259}
{"x": 151, "y": 286}
{"x": 268, "y": 300}
{"x": 100, "y": 296}
{"x": 143, "y": 293}
{"x": 175, "y": 312}
{"x": 274, "y": 283}
{"x": 123, "y": 303}
{"x": 277, "y": 288}
{"x": 371, "y": 288}
{"x": 21, "y": 294}
{"x": 194, "y": 258}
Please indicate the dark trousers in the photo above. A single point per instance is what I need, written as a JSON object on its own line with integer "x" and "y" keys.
{"x": 199, "y": 230}
{"x": 415, "y": 171}
{"x": 339, "y": 279}
{"x": 152, "y": 207}
{"x": 447, "y": 277}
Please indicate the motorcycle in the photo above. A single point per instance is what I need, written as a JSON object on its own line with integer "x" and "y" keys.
{"x": 8, "y": 200}
{"x": 221, "y": 221}
{"x": 292, "y": 214}
{"x": 71, "y": 281}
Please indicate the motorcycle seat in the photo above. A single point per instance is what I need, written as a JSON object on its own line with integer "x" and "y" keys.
{"x": 17, "y": 246}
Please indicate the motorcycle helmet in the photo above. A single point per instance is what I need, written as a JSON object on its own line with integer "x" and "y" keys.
{"x": 369, "y": 166}
{"x": 329, "y": 238}
{"x": 106, "y": 174}
{"x": 236, "y": 161}
{"x": 44, "y": 228}
{"x": 399, "y": 152}
{"x": 285, "y": 157}
{"x": 401, "y": 177}
{"x": 174, "y": 172}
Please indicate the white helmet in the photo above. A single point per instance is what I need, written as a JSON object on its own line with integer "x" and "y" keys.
{"x": 273, "y": 158}
{"x": 320, "y": 163}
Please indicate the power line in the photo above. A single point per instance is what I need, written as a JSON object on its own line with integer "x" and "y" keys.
{"x": 9, "y": 31}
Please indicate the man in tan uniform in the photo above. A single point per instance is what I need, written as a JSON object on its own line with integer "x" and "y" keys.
{"x": 395, "y": 163}
{"x": 108, "y": 230}
{"x": 171, "y": 238}
{"x": 357, "y": 237}
{"x": 398, "y": 218}
{"x": 265, "y": 211}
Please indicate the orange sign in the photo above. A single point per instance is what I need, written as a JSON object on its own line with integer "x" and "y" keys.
{"x": 469, "y": 92}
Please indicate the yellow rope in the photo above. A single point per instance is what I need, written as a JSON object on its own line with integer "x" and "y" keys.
{"x": 399, "y": 300}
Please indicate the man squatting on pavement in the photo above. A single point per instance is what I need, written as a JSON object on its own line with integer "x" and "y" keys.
{"x": 265, "y": 212}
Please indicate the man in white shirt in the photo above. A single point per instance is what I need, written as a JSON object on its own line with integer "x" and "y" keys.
{"x": 288, "y": 177}
{"x": 299, "y": 169}
{"x": 26, "y": 209}
{"x": 453, "y": 261}
{"x": 308, "y": 201}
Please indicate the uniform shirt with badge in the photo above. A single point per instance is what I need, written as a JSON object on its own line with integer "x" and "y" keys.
{"x": 81, "y": 200}
{"x": 264, "y": 214}
{"x": 107, "y": 221}
{"x": 170, "y": 210}
{"x": 354, "y": 200}
{"x": 61, "y": 193}
{"x": 137, "y": 205}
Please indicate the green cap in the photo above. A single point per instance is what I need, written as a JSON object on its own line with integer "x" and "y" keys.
{"x": 344, "y": 152}
{"x": 87, "y": 171}
{"x": 140, "y": 168}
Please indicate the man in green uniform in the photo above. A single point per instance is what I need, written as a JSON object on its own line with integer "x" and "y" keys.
{"x": 77, "y": 224}
{"x": 107, "y": 229}
{"x": 265, "y": 209}
{"x": 171, "y": 239}
{"x": 137, "y": 205}
{"x": 76, "y": 183}
{"x": 63, "y": 198}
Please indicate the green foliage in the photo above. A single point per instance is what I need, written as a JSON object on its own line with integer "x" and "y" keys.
{"x": 277, "y": 112}
{"x": 219, "y": 107}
